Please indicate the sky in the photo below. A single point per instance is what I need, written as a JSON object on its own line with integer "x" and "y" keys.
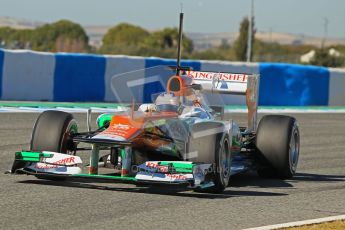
{"x": 291, "y": 16}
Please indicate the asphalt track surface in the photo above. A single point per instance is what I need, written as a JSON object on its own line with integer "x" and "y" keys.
{"x": 318, "y": 190}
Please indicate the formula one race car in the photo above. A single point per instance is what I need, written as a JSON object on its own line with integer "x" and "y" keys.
{"x": 177, "y": 140}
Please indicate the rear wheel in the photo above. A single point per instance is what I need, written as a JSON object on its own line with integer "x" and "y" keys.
{"x": 278, "y": 143}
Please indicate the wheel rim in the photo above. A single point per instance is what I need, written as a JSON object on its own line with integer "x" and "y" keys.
{"x": 71, "y": 129}
{"x": 225, "y": 163}
{"x": 294, "y": 149}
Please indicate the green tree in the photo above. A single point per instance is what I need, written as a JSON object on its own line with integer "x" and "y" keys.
{"x": 6, "y": 35}
{"x": 123, "y": 39}
{"x": 61, "y": 36}
{"x": 223, "y": 52}
{"x": 275, "y": 52}
{"x": 15, "y": 39}
{"x": 241, "y": 43}
{"x": 209, "y": 54}
{"x": 23, "y": 38}
{"x": 163, "y": 43}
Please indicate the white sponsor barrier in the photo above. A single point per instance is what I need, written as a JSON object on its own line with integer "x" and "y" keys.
{"x": 336, "y": 87}
{"x": 28, "y": 76}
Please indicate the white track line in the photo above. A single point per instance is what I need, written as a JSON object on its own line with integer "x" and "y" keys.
{"x": 299, "y": 223}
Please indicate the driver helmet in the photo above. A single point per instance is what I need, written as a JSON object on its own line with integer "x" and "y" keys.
{"x": 167, "y": 102}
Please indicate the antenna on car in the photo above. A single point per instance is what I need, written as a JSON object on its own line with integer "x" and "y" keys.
{"x": 178, "y": 65}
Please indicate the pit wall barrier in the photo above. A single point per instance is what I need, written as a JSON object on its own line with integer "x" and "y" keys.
{"x": 37, "y": 76}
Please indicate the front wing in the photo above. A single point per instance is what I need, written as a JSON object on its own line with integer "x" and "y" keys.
{"x": 50, "y": 164}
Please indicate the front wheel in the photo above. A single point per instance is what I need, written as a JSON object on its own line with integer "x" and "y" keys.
{"x": 278, "y": 143}
{"x": 52, "y": 132}
{"x": 222, "y": 166}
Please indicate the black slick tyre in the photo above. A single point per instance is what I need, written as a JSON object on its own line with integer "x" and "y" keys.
{"x": 220, "y": 174}
{"x": 52, "y": 132}
{"x": 278, "y": 145}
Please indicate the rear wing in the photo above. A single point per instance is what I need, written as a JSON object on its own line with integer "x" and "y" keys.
{"x": 231, "y": 83}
